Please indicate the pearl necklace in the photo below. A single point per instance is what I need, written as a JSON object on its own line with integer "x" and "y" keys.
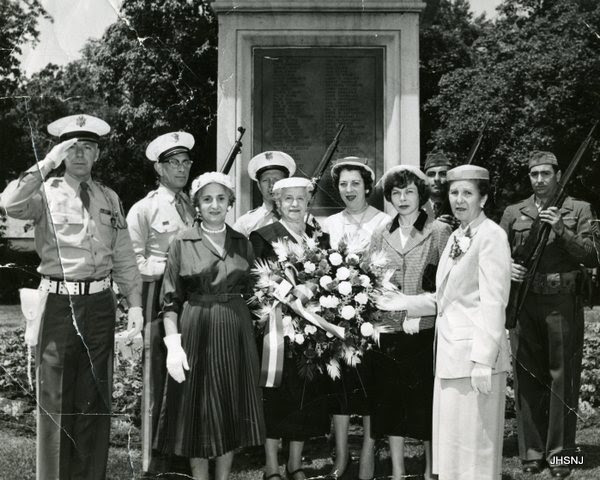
{"x": 208, "y": 230}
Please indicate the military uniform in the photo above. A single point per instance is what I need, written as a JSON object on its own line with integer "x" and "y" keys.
{"x": 255, "y": 219}
{"x": 80, "y": 250}
{"x": 547, "y": 341}
{"x": 153, "y": 223}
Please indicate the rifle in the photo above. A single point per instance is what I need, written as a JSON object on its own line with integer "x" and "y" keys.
{"x": 477, "y": 143}
{"x": 322, "y": 167}
{"x": 233, "y": 153}
{"x": 530, "y": 252}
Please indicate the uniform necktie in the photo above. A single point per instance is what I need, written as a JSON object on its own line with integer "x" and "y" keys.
{"x": 84, "y": 194}
{"x": 180, "y": 208}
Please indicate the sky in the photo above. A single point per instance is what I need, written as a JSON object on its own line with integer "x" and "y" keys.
{"x": 75, "y": 21}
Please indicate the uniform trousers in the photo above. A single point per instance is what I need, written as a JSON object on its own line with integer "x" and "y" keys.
{"x": 547, "y": 353}
{"x": 74, "y": 383}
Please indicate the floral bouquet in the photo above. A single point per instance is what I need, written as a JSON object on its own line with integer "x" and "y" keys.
{"x": 322, "y": 301}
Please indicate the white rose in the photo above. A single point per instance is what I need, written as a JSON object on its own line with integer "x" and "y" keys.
{"x": 324, "y": 301}
{"x": 365, "y": 281}
{"x": 325, "y": 280}
{"x": 334, "y": 301}
{"x": 362, "y": 298}
{"x": 310, "y": 329}
{"x": 366, "y": 329}
{"x": 335, "y": 259}
{"x": 348, "y": 312}
{"x": 345, "y": 288}
{"x": 309, "y": 267}
{"x": 299, "y": 338}
{"x": 342, "y": 273}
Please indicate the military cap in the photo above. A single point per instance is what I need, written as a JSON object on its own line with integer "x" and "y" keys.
{"x": 271, "y": 159}
{"x": 353, "y": 162}
{"x": 82, "y": 126}
{"x": 293, "y": 182}
{"x": 436, "y": 159}
{"x": 169, "y": 144}
{"x": 403, "y": 168}
{"x": 468, "y": 172}
{"x": 539, "y": 157}
{"x": 211, "y": 177}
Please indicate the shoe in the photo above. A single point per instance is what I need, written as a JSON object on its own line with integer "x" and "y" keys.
{"x": 290, "y": 475}
{"x": 560, "y": 472}
{"x": 273, "y": 475}
{"x": 533, "y": 466}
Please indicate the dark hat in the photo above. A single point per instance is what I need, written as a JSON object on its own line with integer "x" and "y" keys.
{"x": 436, "y": 159}
{"x": 539, "y": 157}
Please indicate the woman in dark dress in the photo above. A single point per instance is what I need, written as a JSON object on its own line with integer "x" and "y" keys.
{"x": 402, "y": 375}
{"x": 297, "y": 409}
{"x": 213, "y": 403}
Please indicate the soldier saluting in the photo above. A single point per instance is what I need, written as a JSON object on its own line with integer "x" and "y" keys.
{"x": 547, "y": 341}
{"x": 265, "y": 169}
{"x": 82, "y": 240}
{"x": 153, "y": 223}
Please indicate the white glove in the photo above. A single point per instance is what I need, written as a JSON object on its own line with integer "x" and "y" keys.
{"x": 411, "y": 325}
{"x": 58, "y": 153}
{"x": 391, "y": 301}
{"x": 481, "y": 378}
{"x": 154, "y": 266}
{"x": 176, "y": 358}
{"x": 135, "y": 321}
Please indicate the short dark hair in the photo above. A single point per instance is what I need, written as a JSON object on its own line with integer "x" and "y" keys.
{"x": 483, "y": 186}
{"x": 364, "y": 173}
{"x": 260, "y": 171}
{"x": 402, "y": 179}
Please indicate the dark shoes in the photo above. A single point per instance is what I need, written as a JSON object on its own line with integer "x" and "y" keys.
{"x": 560, "y": 472}
{"x": 533, "y": 466}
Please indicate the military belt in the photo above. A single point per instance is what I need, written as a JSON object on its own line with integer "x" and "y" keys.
{"x": 66, "y": 287}
{"x": 556, "y": 283}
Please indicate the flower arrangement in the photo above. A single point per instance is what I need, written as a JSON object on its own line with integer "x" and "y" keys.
{"x": 321, "y": 301}
{"x": 461, "y": 243}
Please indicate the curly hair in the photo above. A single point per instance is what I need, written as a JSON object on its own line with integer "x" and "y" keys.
{"x": 402, "y": 179}
{"x": 364, "y": 173}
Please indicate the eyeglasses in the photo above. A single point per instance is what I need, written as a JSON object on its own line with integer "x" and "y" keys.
{"x": 177, "y": 164}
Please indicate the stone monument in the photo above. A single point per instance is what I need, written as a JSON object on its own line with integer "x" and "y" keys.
{"x": 291, "y": 70}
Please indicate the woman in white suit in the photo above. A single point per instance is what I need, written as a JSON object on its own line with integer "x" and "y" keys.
{"x": 472, "y": 356}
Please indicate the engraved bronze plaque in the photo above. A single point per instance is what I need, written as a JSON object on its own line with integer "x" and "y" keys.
{"x": 300, "y": 95}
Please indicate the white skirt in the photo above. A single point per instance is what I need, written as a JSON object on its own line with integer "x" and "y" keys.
{"x": 468, "y": 429}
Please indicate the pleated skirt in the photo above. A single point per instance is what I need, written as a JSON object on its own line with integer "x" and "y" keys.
{"x": 218, "y": 407}
{"x": 468, "y": 429}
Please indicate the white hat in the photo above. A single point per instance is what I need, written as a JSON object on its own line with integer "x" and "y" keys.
{"x": 210, "y": 177}
{"x": 85, "y": 127}
{"x": 293, "y": 182}
{"x": 169, "y": 144}
{"x": 404, "y": 168}
{"x": 467, "y": 172}
{"x": 268, "y": 160}
{"x": 353, "y": 162}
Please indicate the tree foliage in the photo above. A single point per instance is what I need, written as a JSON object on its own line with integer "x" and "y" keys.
{"x": 153, "y": 71}
{"x": 535, "y": 74}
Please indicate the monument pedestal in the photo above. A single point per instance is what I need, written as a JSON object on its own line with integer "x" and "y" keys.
{"x": 291, "y": 70}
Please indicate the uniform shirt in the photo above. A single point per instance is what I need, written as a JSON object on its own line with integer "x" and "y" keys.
{"x": 153, "y": 223}
{"x": 576, "y": 246}
{"x": 255, "y": 219}
{"x": 73, "y": 243}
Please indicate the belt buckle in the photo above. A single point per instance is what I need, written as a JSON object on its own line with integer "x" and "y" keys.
{"x": 553, "y": 280}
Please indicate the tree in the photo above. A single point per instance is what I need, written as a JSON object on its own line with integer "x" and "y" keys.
{"x": 153, "y": 71}
{"x": 448, "y": 31}
{"x": 535, "y": 75}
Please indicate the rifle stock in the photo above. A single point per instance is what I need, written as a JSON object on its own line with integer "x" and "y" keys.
{"x": 529, "y": 253}
{"x": 233, "y": 153}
